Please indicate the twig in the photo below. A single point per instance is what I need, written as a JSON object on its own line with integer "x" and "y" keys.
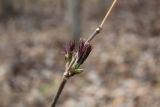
{"x": 67, "y": 74}
{"x": 63, "y": 82}
{"x": 98, "y": 29}
{"x": 107, "y": 14}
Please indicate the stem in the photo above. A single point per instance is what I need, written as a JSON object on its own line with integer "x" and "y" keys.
{"x": 98, "y": 29}
{"x": 107, "y": 14}
{"x": 66, "y": 74}
{"x": 62, "y": 84}
{"x": 61, "y": 87}
{"x": 96, "y": 32}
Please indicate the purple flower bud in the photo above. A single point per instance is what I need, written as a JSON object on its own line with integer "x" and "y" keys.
{"x": 83, "y": 51}
{"x": 81, "y": 47}
{"x": 70, "y": 47}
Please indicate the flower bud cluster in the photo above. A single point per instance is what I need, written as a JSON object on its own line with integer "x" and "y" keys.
{"x": 75, "y": 55}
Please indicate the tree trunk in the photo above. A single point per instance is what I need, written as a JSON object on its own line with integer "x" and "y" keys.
{"x": 7, "y": 8}
{"x": 73, "y": 17}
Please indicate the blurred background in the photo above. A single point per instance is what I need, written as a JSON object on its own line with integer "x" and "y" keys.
{"x": 123, "y": 69}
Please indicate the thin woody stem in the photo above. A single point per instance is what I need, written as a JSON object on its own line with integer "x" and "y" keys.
{"x": 107, "y": 14}
{"x": 61, "y": 87}
{"x": 98, "y": 29}
{"x": 96, "y": 32}
{"x": 66, "y": 75}
{"x": 62, "y": 84}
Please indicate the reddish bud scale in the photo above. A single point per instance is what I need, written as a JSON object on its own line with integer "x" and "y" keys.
{"x": 69, "y": 48}
{"x": 83, "y": 51}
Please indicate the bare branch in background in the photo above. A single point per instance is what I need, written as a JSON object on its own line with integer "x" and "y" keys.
{"x": 73, "y": 17}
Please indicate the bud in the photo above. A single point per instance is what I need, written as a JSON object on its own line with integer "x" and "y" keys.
{"x": 76, "y": 57}
{"x": 69, "y": 50}
{"x": 83, "y": 52}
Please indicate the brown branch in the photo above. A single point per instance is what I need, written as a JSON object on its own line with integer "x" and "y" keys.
{"x": 108, "y": 13}
{"x": 67, "y": 74}
{"x": 61, "y": 87}
{"x": 98, "y": 29}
